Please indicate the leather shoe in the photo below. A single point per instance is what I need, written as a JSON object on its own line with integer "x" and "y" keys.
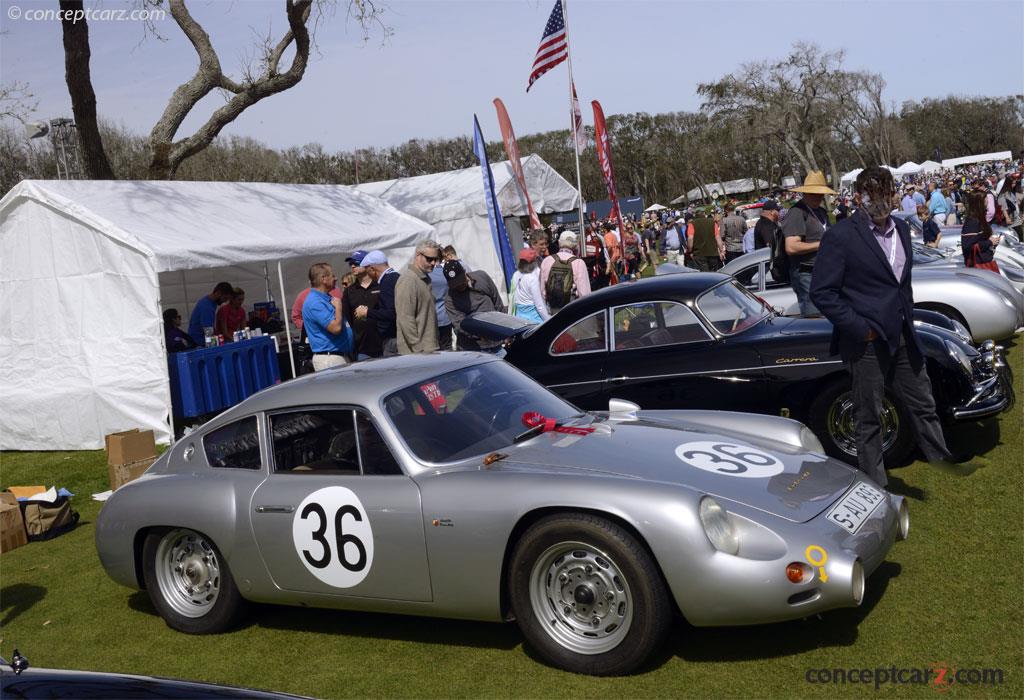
{"x": 958, "y": 468}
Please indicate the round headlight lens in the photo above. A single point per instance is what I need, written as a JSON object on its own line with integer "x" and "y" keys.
{"x": 717, "y": 526}
{"x": 959, "y": 355}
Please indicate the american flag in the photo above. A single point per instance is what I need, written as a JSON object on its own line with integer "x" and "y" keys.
{"x": 554, "y": 46}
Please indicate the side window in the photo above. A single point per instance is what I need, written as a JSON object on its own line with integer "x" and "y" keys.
{"x": 656, "y": 323}
{"x": 770, "y": 282}
{"x": 315, "y": 441}
{"x": 376, "y": 457}
{"x": 749, "y": 277}
{"x": 235, "y": 446}
{"x": 586, "y": 335}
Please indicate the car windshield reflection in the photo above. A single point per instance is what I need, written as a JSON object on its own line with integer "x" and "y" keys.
{"x": 471, "y": 411}
{"x": 730, "y": 308}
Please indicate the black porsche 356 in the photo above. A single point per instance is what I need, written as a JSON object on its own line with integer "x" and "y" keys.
{"x": 702, "y": 340}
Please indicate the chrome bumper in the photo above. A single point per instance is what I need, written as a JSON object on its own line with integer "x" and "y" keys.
{"x": 992, "y": 395}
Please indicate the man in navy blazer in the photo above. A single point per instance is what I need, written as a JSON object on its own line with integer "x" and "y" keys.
{"x": 861, "y": 283}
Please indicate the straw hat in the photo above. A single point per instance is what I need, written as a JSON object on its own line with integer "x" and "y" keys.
{"x": 815, "y": 183}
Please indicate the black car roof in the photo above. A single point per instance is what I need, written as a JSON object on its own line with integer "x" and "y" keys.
{"x": 684, "y": 286}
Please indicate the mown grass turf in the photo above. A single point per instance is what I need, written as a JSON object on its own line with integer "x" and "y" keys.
{"x": 951, "y": 594}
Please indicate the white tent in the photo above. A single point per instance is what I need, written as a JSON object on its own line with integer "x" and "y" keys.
{"x": 454, "y": 203}
{"x": 655, "y": 207}
{"x": 980, "y": 158}
{"x": 87, "y": 266}
{"x": 930, "y": 166}
{"x": 908, "y": 168}
{"x": 721, "y": 188}
{"x": 849, "y": 177}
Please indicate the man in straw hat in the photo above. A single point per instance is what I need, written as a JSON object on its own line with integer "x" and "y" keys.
{"x": 803, "y": 227}
{"x": 862, "y": 284}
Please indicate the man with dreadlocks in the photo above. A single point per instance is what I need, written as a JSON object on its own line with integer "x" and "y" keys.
{"x": 861, "y": 282}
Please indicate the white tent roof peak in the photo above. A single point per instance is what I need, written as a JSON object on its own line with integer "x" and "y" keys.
{"x": 186, "y": 225}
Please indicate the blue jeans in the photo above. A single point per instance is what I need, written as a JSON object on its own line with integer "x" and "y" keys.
{"x": 801, "y": 283}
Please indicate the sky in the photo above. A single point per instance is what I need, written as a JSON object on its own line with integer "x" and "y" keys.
{"x": 446, "y": 61}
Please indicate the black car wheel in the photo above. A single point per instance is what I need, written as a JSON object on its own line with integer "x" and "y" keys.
{"x": 189, "y": 582}
{"x": 832, "y": 418}
{"x": 587, "y": 595}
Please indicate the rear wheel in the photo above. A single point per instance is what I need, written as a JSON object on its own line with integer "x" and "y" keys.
{"x": 833, "y": 420}
{"x": 189, "y": 582}
{"x": 587, "y": 595}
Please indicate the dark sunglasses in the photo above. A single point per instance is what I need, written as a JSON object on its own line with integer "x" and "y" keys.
{"x": 429, "y": 258}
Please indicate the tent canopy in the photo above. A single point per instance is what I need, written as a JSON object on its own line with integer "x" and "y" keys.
{"x": 655, "y": 207}
{"x": 87, "y": 266}
{"x": 930, "y": 166}
{"x": 454, "y": 203}
{"x": 908, "y": 168}
{"x": 741, "y": 186}
{"x": 980, "y": 158}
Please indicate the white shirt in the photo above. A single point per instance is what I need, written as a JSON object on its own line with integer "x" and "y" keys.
{"x": 528, "y": 292}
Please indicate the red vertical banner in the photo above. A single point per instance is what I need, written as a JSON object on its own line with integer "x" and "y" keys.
{"x": 604, "y": 157}
{"x": 512, "y": 151}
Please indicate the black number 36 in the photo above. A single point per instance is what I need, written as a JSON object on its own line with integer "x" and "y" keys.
{"x": 341, "y": 539}
{"x": 739, "y": 460}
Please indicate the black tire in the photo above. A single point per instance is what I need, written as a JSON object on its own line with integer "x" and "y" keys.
{"x": 610, "y": 589}
{"x": 175, "y": 559}
{"x": 830, "y": 417}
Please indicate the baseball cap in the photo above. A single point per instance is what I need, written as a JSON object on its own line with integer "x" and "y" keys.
{"x": 454, "y": 271}
{"x": 527, "y": 254}
{"x": 568, "y": 239}
{"x": 356, "y": 259}
{"x": 374, "y": 257}
{"x": 770, "y": 205}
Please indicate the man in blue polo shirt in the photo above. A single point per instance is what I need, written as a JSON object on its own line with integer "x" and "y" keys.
{"x": 330, "y": 337}
{"x": 204, "y": 313}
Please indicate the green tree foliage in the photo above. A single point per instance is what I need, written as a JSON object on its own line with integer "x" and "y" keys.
{"x": 962, "y": 125}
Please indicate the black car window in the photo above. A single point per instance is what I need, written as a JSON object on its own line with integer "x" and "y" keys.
{"x": 316, "y": 440}
{"x": 772, "y": 283}
{"x": 586, "y": 335}
{"x": 749, "y": 277}
{"x": 374, "y": 454}
{"x": 234, "y": 446}
{"x": 651, "y": 324}
{"x": 730, "y": 308}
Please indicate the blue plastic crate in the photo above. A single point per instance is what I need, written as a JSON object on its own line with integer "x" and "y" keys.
{"x": 213, "y": 379}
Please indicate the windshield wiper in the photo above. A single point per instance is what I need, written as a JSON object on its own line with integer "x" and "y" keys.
{"x": 528, "y": 433}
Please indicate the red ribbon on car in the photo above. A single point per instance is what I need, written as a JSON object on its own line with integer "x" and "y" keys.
{"x": 533, "y": 419}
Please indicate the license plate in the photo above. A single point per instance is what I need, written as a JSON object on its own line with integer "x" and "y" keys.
{"x": 856, "y": 507}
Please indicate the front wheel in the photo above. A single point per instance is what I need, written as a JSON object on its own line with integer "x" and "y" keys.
{"x": 587, "y": 595}
{"x": 189, "y": 582}
{"x": 833, "y": 419}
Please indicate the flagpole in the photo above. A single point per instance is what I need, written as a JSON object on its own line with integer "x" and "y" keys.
{"x": 572, "y": 129}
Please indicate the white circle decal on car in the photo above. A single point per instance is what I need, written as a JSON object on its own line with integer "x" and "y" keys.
{"x": 730, "y": 459}
{"x": 333, "y": 537}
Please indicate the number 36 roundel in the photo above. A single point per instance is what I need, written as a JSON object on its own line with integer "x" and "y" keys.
{"x": 729, "y": 459}
{"x": 332, "y": 536}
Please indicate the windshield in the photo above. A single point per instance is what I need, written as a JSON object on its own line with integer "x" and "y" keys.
{"x": 470, "y": 411}
{"x": 730, "y": 308}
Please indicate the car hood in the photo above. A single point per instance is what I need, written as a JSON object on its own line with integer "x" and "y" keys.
{"x": 494, "y": 325}
{"x": 799, "y": 487}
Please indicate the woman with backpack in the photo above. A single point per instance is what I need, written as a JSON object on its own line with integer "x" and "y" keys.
{"x": 524, "y": 293}
{"x": 976, "y": 239}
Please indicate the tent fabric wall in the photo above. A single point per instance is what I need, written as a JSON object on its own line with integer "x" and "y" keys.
{"x": 85, "y": 265}
{"x": 453, "y": 202}
{"x": 979, "y": 158}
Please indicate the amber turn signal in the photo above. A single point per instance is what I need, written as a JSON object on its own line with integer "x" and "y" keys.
{"x": 798, "y": 572}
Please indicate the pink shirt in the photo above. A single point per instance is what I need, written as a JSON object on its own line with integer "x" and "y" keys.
{"x": 299, "y": 300}
{"x": 579, "y": 273}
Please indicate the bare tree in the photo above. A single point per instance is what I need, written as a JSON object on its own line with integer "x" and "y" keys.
{"x": 265, "y": 77}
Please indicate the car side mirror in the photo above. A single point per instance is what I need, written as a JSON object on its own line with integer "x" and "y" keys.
{"x": 620, "y": 408}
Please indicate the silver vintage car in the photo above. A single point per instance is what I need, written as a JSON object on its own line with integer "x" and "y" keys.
{"x": 988, "y": 305}
{"x": 453, "y": 485}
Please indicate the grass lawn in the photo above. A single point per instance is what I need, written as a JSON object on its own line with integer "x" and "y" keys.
{"x": 951, "y": 595}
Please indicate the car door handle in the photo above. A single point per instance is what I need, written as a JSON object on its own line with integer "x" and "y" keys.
{"x": 275, "y": 509}
{"x": 618, "y": 380}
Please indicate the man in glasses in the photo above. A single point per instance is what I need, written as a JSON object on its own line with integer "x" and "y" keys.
{"x": 415, "y": 313}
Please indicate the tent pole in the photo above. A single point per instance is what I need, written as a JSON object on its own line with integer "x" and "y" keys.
{"x": 163, "y": 344}
{"x": 285, "y": 314}
{"x": 266, "y": 281}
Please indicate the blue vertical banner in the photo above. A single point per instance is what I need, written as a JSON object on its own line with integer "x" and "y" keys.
{"x": 498, "y": 233}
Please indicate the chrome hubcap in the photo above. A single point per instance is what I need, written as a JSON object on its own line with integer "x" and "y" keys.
{"x": 187, "y": 572}
{"x": 581, "y": 598}
{"x": 842, "y": 425}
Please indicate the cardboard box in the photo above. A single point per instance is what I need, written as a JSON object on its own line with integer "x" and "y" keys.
{"x": 121, "y": 474}
{"x": 130, "y": 446}
{"x": 12, "y": 525}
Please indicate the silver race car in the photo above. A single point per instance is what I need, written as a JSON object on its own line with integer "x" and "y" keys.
{"x": 453, "y": 485}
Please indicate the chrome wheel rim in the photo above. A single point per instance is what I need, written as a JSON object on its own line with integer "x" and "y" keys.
{"x": 842, "y": 424}
{"x": 188, "y": 572}
{"x": 581, "y": 598}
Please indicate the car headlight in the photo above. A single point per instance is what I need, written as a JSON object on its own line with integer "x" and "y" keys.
{"x": 961, "y": 331}
{"x": 718, "y": 527}
{"x": 809, "y": 441}
{"x": 959, "y": 356}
